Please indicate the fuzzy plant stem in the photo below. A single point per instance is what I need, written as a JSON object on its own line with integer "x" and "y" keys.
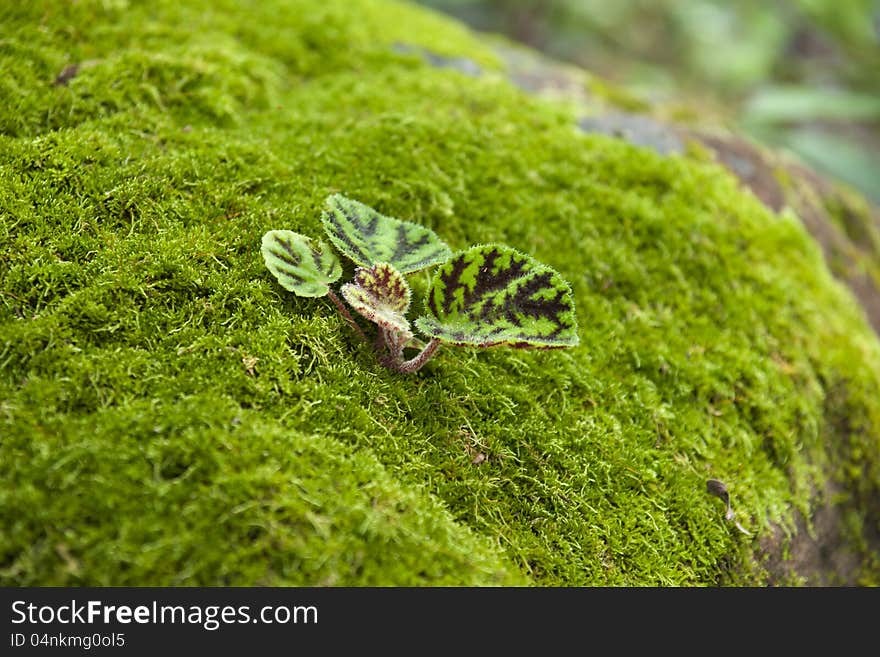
{"x": 416, "y": 362}
{"x": 346, "y": 315}
{"x": 380, "y": 342}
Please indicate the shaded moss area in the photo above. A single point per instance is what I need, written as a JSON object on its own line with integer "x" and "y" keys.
{"x": 170, "y": 415}
{"x": 200, "y": 490}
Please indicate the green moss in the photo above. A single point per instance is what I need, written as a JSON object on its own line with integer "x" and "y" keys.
{"x": 170, "y": 415}
{"x": 215, "y": 494}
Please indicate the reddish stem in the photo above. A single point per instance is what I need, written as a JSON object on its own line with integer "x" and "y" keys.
{"x": 394, "y": 359}
{"x": 416, "y": 362}
{"x": 345, "y": 314}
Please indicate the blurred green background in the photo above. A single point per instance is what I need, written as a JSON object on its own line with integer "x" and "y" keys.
{"x": 803, "y": 75}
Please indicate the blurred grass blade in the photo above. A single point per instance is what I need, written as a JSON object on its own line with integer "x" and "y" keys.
{"x": 794, "y": 103}
{"x": 840, "y": 157}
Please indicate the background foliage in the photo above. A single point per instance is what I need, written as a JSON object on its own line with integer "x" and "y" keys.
{"x": 798, "y": 74}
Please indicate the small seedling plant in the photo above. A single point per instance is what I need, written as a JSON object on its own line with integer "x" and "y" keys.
{"x": 485, "y": 296}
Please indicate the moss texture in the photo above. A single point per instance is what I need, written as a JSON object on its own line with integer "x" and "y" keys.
{"x": 171, "y": 416}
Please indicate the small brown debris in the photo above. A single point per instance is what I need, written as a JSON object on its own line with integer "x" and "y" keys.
{"x": 69, "y": 72}
{"x": 249, "y": 362}
{"x": 719, "y": 490}
{"x": 66, "y": 75}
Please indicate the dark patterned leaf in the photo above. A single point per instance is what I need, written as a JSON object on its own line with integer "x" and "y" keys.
{"x": 494, "y": 295}
{"x": 368, "y": 237}
{"x": 300, "y": 264}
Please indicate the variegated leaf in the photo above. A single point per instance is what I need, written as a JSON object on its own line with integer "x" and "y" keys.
{"x": 368, "y": 237}
{"x": 493, "y": 295}
{"x": 381, "y": 294}
{"x": 301, "y": 265}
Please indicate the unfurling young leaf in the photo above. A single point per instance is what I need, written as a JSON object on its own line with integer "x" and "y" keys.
{"x": 368, "y": 237}
{"x": 300, "y": 264}
{"x": 493, "y": 295}
{"x": 381, "y": 294}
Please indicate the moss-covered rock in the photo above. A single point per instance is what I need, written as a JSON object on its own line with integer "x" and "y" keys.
{"x": 171, "y": 416}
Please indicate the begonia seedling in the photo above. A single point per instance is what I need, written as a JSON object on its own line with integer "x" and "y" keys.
{"x": 487, "y": 295}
